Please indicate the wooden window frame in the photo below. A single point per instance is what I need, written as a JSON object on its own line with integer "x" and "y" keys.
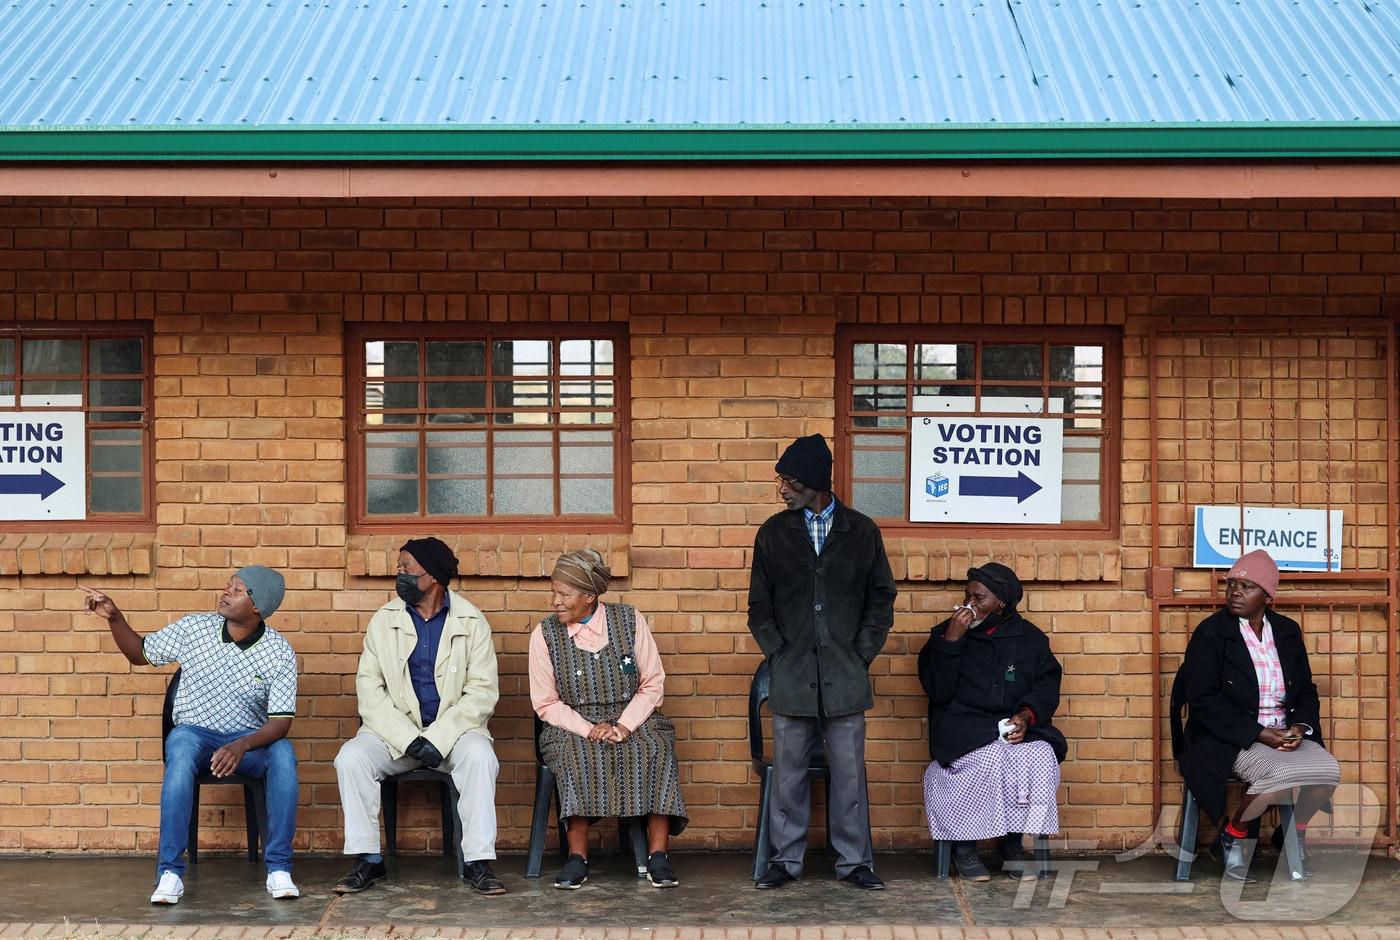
{"x": 1110, "y": 497}
{"x": 144, "y": 521}
{"x": 362, "y": 522}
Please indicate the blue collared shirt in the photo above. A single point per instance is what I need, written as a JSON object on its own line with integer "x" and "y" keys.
{"x": 818, "y": 524}
{"x": 422, "y": 662}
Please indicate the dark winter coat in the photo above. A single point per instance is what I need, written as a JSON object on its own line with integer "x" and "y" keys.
{"x": 820, "y": 620}
{"x": 974, "y": 682}
{"x": 1218, "y": 686}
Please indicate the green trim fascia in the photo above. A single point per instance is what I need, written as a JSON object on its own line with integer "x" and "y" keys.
{"x": 744, "y": 143}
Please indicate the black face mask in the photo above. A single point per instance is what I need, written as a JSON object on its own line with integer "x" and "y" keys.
{"x": 406, "y": 586}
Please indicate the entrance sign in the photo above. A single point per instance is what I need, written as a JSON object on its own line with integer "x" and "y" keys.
{"x": 1298, "y": 539}
{"x": 986, "y": 470}
{"x": 43, "y": 465}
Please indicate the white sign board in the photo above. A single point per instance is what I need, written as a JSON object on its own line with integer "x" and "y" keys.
{"x": 43, "y": 465}
{"x": 986, "y": 470}
{"x": 1298, "y": 539}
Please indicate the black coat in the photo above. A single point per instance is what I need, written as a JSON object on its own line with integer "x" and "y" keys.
{"x": 820, "y": 619}
{"x": 975, "y": 682}
{"x": 1218, "y": 685}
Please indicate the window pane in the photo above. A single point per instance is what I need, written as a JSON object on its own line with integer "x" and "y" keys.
{"x": 879, "y": 397}
{"x": 52, "y": 356}
{"x": 469, "y": 397}
{"x": 392, "y": 497}
{"x": 114, "y": 458}
{"x": 115, "y": 494}
{"x": 523, "y": 452}
{"x": 7, "y": 393}
{"x": 1076, "y": 363}
{"x": 586, "y": 417}
{"x": 586, "y": 394}
{"x": 526, "y": 394}
{"x": 577, "y": 457}
{"x": 391, "y": 395}
{"x": 946, "y": 361}
{"x": 457, "y": 452}
{"x": 456, "y": 358}
{"x": 586, "y": 357}
{"x": 1077, "y": 399}
{"x": 523, "y": 497}
{"x": 1079, "y": 502}
{"x": 7, "y": 357}
{"x": 456, "y": 497}
{"x": 59, "y": 393}
{"x": 879, "y": 500}
{"x": 391, "y": 358}
{"x": 115, "y": 357}
{"x": 114, "y": 392}
{"x": 1018, "y": 361}
{"x": 880, "y": 361}
{"x": 1081, "y": 462}
{"x": 591, "y": 497}
{"x": 880, "y": 463}
{"x": 520, "y": 357}
{"x": 385, "y": 460}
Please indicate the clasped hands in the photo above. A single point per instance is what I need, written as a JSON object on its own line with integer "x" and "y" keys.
{"x": 422, "y": 750}
{"x": 609, "y": 731}
{"x": 1281, "y": 740}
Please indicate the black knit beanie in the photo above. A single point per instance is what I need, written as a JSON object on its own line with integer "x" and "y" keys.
{"x": 435, "y": 557}
{"x": 808, "y": 461}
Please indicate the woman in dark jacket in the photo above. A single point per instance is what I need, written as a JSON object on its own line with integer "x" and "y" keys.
{"x": 1253, "y": 711}
{"x": 993, "y": 686}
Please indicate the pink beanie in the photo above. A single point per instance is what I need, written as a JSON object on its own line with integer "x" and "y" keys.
{"x": 1258, "y": 567}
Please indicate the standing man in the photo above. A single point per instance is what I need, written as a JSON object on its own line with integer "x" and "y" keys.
{"x": 232, "y": 711}
{"x": 821, "y": 602}
{"x": 426, "y": 687}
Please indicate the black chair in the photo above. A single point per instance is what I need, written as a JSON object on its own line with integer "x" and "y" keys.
{"x": 1189, "y": 830}
{"x": 816, "y": 770}
{"x": 254, "y": 792}
{"x": 451, "y": 819}
{"x": 631, "y": 830}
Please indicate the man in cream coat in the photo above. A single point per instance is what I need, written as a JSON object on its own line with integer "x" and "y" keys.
{"x": 426, "y": 687}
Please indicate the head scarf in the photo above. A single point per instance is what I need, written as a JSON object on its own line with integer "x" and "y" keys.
{"x": 1001, "y": 581}
{"x": 583, "y": 569}
{"x": 435, "y": 557}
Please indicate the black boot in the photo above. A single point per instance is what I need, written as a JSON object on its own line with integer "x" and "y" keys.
{"x": 970, "y": 867}
{"x": 1231, "y": 852}
{"x": 1015, "y": 860}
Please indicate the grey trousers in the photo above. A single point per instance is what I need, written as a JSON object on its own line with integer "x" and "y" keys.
{"x": 790, "y": 807}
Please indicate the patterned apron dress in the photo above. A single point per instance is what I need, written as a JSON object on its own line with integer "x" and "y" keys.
{"x": 596, "y": 779}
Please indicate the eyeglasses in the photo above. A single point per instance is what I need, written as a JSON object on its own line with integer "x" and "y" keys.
{"x": 788, "y": 482}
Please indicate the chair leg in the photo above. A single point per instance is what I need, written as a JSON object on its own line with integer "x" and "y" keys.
{"x": 944, "y": 851}
{"x": 255, "y": 816}
{"x": 193, "y": 833}
{"x": 389, "y": 803}
{"x": 1186, "y": 837}
{"x": 1042, "y": 855}
{"x": 636, "y": 827}
{"x": 1292, "y": 851}
{"x": 452, "y": 826}
{"x": 445, "y": 803}
{"x": 539, "y": 821}
{"x": 826, "y": 793}
{"x": 762, "y": 843}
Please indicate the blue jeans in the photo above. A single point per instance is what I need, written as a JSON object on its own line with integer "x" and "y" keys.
{"x": 188, "y": 751}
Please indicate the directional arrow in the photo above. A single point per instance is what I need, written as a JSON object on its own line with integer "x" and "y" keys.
{"x": 1019, "y": 486}
{"x": 43, "y": 483}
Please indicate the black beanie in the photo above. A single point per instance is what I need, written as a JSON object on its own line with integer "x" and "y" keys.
{"x": 808, "y": 461}
{"x": 435, "y": 557}
{"x": 1000, "y": 580}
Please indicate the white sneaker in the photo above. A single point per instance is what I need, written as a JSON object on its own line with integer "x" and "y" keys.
{"x": 170, "y": 889}
{"x": 279, "y": 885}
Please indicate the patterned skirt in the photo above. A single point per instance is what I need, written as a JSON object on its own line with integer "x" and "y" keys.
{"x": 1269, "y": 770}
{"x": 598, "y": 779}
{"x": 996, "y": 789}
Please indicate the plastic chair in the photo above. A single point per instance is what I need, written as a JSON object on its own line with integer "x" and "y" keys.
{"x": 631, "y": 830}
{"x": 254, "y": 792}
{"x": 451, "y": 820}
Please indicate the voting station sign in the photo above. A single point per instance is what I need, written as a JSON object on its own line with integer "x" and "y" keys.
{"x": 43, "y": 465}
{"x": 986, "y": 470}
{"x": 1297, "y": 539}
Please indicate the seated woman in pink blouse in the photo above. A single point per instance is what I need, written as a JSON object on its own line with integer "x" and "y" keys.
{"x": 595, "y": 681}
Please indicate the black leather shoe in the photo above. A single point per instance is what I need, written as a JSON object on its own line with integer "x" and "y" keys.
{"x": 1015, "y": 861}
{"x": 775, "y": 877}
{"x": 1231, "y": 853}
{"x": 1277, "y": 840}
{"x": 363, "y": 875}
{"x": 480, "y": 876}
{"x": 659, "y": 871}
{"x": 970, "y": 867}
{"x": 865, "y": 879}
{"x": 574, "y": 873}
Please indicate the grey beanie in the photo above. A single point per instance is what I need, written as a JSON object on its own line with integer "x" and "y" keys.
{"x": 265, "y": 586}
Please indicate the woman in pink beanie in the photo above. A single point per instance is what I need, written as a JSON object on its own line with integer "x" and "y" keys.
{"x": 1253, "y": 712}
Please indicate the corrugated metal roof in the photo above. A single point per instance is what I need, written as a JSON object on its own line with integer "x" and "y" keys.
{"x": 571, "y": 63}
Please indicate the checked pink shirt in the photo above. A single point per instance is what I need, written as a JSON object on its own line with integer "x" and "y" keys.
{"x": 1269, "y": 671}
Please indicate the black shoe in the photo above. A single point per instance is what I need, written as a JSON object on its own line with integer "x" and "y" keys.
{"x": 1306, "y": 869}
{"x": 1015, "y": 861}
{"x": 573, "y": 874}
{"x": 1232, "y": 854}
{"x": 864, "y": 878}
{"x": 659, "y": 871}
{"x": 480, "y": 876}
{"x": 775, "y": 877}
{"x": 364, "y": 874}
{"x": 970, "y": 867}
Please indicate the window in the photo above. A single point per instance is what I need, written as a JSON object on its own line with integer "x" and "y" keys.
{"x": 890, "y": 375}
{"x": 103, "y": 374}
{"x": 489, "y": 425}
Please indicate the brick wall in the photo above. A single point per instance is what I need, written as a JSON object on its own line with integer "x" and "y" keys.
{"x": 731, "y": 306}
